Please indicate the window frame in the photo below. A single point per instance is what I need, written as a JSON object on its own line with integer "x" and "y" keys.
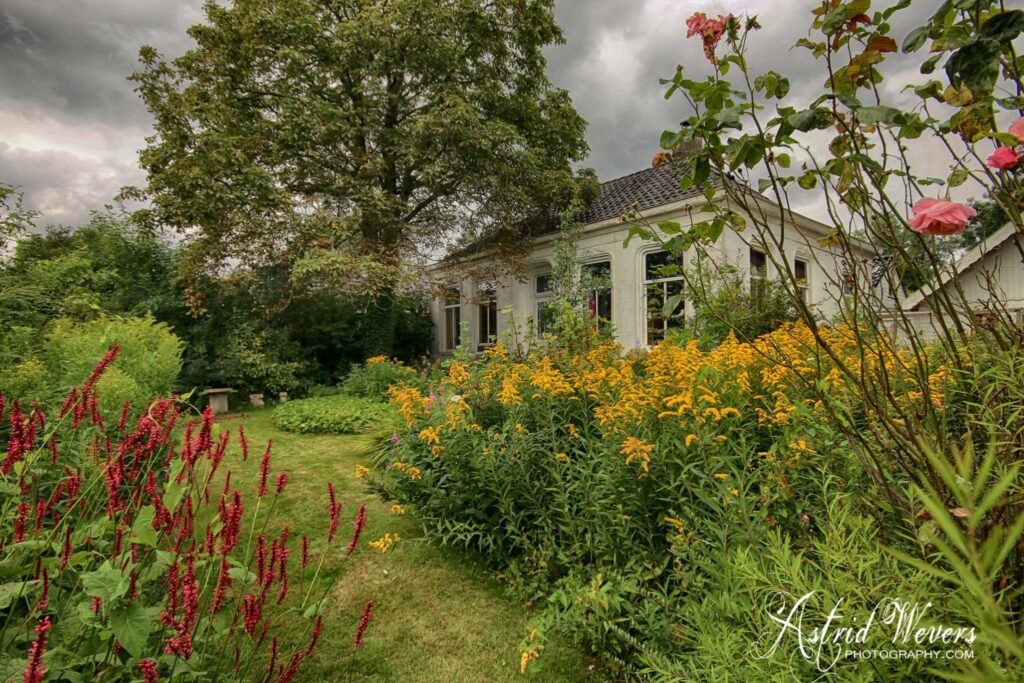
{"x": 487, "y": 311}
{"x": 541, "y": 299}
{"x": 452, "y": 307}
{"x": 664, "y": 283}
{"x": 594, "y": 293}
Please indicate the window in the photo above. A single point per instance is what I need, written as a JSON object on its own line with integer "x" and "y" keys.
{"x": 488, "y": 316}
{"x": 758, "y": 272}
{"x": 597, "y": 277}
{"x": 545, "y": 316}
{"x": 452, "y": 319}
{"x": 663, "y": 284}
{"x": 800, "y": 275}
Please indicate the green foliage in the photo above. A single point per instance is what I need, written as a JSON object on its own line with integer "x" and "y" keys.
{"x": 374, "y": 378}
{"x": 148, "y": 365}
{"x": 330, "y": 415}
{"x": 726, "y": 302}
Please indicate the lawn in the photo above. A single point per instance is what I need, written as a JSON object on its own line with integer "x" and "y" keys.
{"x": 439, "y": 615}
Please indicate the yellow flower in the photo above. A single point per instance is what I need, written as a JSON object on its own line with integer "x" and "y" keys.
{"x": 375, "y": 360}
{"x": 361, "y": 471}
{"x": 562, "y": 456}
{"x": 721, "y": 475}
{"x": 635, "y": 449}
{"x": 690, "y": 438}
{"x": 458, "y": 374}
{"x": 521, "y": 429}
{"x": 414, "y": 473}
{"x": 396, "y": 465}
{"x": 734, "y": 492}
{"x": 526, "y": 658}
{"x": 397, "y": 509}
{"x": 430, "y": 435}
{"x": 384, "y": 543}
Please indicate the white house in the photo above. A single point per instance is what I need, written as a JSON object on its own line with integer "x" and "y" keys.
{"x": 990, "y": 278}
{"x": 634, "y": 302}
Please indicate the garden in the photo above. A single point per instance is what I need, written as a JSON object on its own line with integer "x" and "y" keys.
{"x": 767, "y": 493}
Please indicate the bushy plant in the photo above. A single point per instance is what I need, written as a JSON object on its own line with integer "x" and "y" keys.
{"x": 127, "y": 554}
{"x": 373, "y": 378}
{"x": 149, "y": 363}
{"x": 337, "y": 414}
{"x": 653, "y": 501}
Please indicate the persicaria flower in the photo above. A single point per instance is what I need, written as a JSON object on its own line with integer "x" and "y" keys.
{"x": 1003, "y": 159}
{"x": 148, "y": 669}
{"x": 244, "y": 442}
{"x": 264, "y": 471}
{"x": 333, "y": 508}
{"x": 282, "y": 480}
{"x": 34, "y": 669}
{"x": 364, "y": 621}
{"x": 938, "y": 217}
{"x": 318, "y": 627}
{"x": 109, "y": 357}
{"x": 357, "y": 530}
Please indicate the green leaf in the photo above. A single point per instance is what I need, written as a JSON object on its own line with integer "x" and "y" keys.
{"x": 810, "y": 119}
{"x": 637, "y": 231}
{"x": 915, "y": 39}
{"x": 1003, "y": 27}
{"x": 671, "y": 304}
{"x": 669, "y": 227}
{"x": 958, "y": 177}
{"x": 142, "y": 530}
{"x": 105, "y": 582}
{"x": 880, "y": 114}
{"x": 702, "y": 171}
{"x": 315, "y": 610}
{"x": 9, "y": 592}
{"x": 808, "y": 181}
{"x": 669, "y": 139}
{"x": 132, "y": 625}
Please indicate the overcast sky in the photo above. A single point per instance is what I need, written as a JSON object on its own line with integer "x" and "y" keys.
{"x": 71, "y": 125}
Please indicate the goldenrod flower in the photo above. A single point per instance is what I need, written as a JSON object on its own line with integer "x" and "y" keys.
{"x": 397, "y": 509}
{"x": 361, "y": 471}
{"x": 635, "y": 449}
{"x": 414, "y": 473}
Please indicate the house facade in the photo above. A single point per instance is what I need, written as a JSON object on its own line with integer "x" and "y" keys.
{"x": 634, "y": 288}
{"x": 989, "y": 278}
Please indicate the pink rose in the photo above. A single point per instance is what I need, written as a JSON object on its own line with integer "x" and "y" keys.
{"x": 1003, "y": 159}
{"x": 1017, "y": 129}
{"x": 937, "y": 217}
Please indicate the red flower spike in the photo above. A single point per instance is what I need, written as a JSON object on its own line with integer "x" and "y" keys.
{"x": 148, "y": 669}
{"x": 34, "y": 669}
{"x": 364, "y": 621}
{"x": 358, "y": 529}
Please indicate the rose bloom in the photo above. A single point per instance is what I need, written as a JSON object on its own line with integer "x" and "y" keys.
{"x": 1003, "y": 159}
{"x": 1017, "y": 129}
{"x": 937, "y": 217}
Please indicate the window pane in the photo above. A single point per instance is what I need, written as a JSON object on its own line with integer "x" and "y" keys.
{"x": 758, "y": 261}
{"x": 452, "y": 297}
{"x": 545, "y": 317}
{"x": 452, "y": 318}
{"x": 488, "y": 321}
{"x": 544, "y": 283}
{"x": 657, "y": 323}
{"x": 602, "y": 270}
{"x": 661, "y": 264}
{"x": 800, "y": 269}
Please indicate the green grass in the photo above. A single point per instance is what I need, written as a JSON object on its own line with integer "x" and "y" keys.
{"x": 438, "y": 616}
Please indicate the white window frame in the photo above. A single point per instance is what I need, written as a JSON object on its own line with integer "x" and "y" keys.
{"x": 593, "y": 293}
{"x": 540, "y": 299}
{"x": 803, "y": 285}
{"x": 452, "y": 319}
{"x": 664, "y": 283}
{"x": 487, "y": 312}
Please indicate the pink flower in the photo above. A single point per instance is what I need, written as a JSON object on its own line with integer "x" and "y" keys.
{"x": 937, "y": 217}
{"x": 1017, "y": 129}
{"x": 709, "y": 30}
{"x": 1003, "y": 159}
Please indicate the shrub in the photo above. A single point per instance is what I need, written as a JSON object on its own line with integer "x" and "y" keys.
{"x": 126, "y": 558}
{"x": 650, "y": 500}
{"x": 374, "y": 378}
{"x": 148, "y": 365}
{"x": 330, "y": 415}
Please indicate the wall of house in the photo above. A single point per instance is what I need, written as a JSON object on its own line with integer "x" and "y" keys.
{"x": 604, "y": 241}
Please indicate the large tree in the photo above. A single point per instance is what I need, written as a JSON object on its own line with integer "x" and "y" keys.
{"x": 354, "y": 137}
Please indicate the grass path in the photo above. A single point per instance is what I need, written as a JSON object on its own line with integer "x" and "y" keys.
{"x": 438, "y": 616}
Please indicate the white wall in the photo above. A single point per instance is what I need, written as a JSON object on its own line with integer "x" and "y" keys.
{"x": 604, "y": 241}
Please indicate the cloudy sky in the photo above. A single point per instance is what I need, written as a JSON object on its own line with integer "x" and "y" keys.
{"x": 70, "y": 123}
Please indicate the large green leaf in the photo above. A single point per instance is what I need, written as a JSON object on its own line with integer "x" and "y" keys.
{"x": 142, "y": 530}
{"x": 132, "y": 624}
{"x": 105, "y": 582}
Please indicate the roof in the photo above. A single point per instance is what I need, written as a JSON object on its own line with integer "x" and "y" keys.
{"x": 642, "y": 190}
{"x": 966, "y": 262}
{"x": 648, "y": 188}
